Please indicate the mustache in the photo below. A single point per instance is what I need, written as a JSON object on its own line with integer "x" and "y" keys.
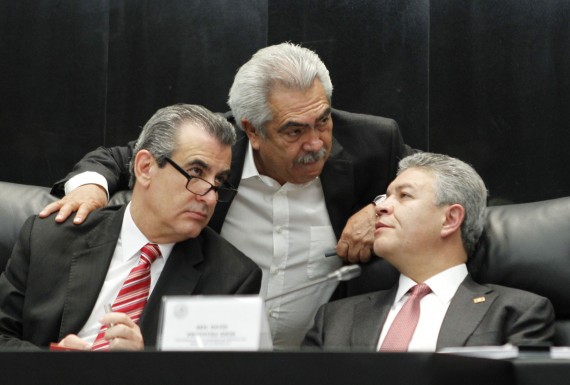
{"x": 311, "y": 157}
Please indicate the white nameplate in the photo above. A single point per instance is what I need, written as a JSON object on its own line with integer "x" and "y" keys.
{"x": 213, "y": 323}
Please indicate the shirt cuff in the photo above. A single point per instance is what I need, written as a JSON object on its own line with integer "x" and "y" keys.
{"x": 87, "y": 177}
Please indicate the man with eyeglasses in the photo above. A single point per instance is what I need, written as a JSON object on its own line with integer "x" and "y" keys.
{"x": 304, "y": 188}
{"x": 61, "y": 276}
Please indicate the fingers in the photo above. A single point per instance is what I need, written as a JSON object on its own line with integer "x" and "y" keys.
{"x": 354, "y": 251}
{"x": 357, "y": 238}
{"x": 72, "y": 341}
{"x": 83, "y": 199}
{"x": 51, "y": 208}
{"x": 114, "y": 318}
{"x": 82, "y": 213}
{"x": 122, "y": 333}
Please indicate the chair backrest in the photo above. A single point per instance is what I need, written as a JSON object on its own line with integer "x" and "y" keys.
{"x": 20, "y": 201}
{"x": 525, "y": 246}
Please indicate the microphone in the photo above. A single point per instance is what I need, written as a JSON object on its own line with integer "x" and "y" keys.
{"x": 345, "y": 273}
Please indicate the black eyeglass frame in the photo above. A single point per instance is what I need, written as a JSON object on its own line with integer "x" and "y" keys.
{"x": 226, "y": 189}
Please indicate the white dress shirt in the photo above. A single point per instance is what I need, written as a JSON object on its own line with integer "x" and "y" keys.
{"x": 125, "y": 257}
{"x": 285, "y": 230}
{"x": 432, "y": 307}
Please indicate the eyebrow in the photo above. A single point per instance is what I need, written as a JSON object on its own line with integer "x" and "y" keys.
{"x": 402, "y": 186}
{"x": 206, "y": 166}
{"x": 326, "y": 112}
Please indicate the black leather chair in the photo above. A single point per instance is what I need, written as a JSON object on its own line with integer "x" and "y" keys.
{"x": 526, "y": 246}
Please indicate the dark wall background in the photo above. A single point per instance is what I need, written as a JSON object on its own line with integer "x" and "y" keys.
{"x": 487, "y": 81}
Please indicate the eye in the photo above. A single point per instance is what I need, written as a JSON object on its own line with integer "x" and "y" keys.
{"x": 221, "y": 180}
{"x": 294, "y": 132}
{"x": 195, "y": 171}
{"x": 323, "y": 122}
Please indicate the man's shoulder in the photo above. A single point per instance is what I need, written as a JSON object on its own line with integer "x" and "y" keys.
{"x": 351, "y": 120}
{"x": 93, "y": 220}
{"x": 511, "y": 293}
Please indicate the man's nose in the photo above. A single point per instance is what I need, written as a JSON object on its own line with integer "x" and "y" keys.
{"x": 210, "y": 198}
{"x": 313, "y": 142}
{"x": 384, "y": 206}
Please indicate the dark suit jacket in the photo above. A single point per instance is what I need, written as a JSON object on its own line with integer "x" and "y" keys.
{"x": 506, "y": 316}
{"x": 56, "y": 272}
{"x": 364, "y": 159}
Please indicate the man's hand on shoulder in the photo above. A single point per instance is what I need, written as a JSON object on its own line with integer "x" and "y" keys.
{"x": 83, "y": 199}
{"x": 357, "y": 238}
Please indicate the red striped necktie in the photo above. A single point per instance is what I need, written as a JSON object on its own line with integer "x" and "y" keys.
{"x": 133, "y": 294}
{"x": 402, "y": 329}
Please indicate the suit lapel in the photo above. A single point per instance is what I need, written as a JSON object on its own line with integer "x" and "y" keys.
{"x": 87, "y": 271}
{"x": 465, "y": 312}
{"x": 369, "y": 317}
{"x": 179, "y": 277}
{"x": 337, "y": 179}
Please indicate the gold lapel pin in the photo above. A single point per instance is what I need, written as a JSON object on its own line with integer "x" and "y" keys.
{"x": 478, "y": 299}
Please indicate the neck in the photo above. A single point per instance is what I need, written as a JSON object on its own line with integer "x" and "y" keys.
{"x": 425, "y": 266}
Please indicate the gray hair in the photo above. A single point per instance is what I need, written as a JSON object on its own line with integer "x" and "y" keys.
{"x": 287, "y": 65}
{"x": 158, "y": 135}
{"x": 455, "y": 182}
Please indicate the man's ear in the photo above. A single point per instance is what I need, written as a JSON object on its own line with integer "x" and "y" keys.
{"x": 251, "y": 133}
{"x": 454, "y": 216}
{"x": 143, "y": 166}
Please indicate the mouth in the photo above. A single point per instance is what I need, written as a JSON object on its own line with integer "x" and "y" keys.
{"x": 199, "y": 215}
{"x": 380, "y": 225}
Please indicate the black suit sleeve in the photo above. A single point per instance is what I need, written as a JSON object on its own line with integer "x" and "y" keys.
{"x": 112, "y": 163}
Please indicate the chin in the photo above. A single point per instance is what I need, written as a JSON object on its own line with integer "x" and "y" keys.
{"x": 188, "y": 232}
{"x": 381, "y": 251}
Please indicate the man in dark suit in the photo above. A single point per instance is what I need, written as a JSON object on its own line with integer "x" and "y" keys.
{"x": 426, "y": 226}
{"x": 60, "y": 276}
{"x": 302, "y": 190}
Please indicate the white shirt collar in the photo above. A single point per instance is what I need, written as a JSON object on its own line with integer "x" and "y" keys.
{"x": 443, "y": 285}
{"x": 132, "y": 239}
{"x": 249, "y": 169}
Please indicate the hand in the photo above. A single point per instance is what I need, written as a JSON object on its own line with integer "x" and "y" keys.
{"x": 357, "y": 238}
{"x": 122, "y": 333}
{"x": 72, "y": 341}
{"x": 83, "y": 199}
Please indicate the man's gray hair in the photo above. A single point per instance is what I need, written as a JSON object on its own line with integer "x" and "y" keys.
{"x": 287, "y": 65}
{"x": 158, "y": 136}
{"x": 456, "y": 182}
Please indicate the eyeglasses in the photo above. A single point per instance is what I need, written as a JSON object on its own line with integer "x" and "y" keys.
{"x": 379, "y": 199}
{"x": 199, "y": 186}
